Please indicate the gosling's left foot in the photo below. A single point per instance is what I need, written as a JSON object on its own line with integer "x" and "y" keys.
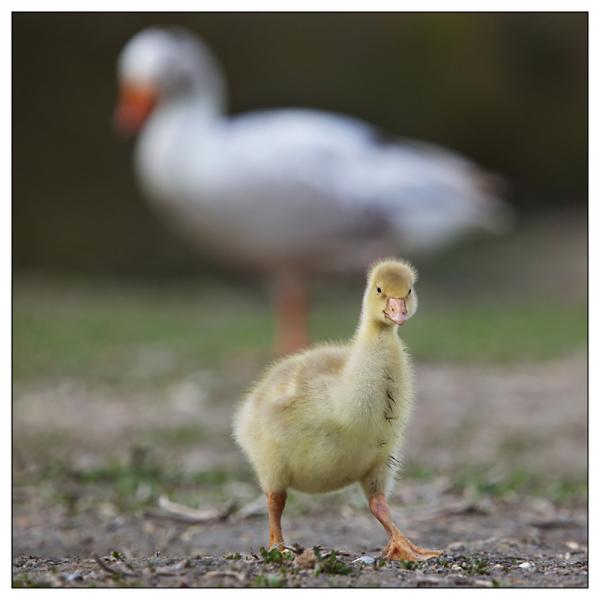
{"x": 401, "y": 548}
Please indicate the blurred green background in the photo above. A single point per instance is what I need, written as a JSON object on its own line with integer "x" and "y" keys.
{"x": 124, "y": 338}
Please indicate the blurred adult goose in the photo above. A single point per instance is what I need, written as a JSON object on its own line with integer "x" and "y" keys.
{"x": 290, "y": 193}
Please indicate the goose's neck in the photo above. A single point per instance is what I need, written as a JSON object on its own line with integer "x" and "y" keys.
{"x": 179, "y": 129}
{"x": 196, "y": 107}
{"x": 201, "y": 104}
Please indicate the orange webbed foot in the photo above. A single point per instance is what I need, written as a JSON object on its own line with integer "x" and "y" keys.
{"x": 401, "y": 548}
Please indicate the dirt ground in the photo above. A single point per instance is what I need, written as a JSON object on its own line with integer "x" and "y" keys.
{"x": 515, "y": 545}
{"x": 481, "y": 440}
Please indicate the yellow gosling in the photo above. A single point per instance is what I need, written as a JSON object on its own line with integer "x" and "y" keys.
{"x": 334, "y": 415}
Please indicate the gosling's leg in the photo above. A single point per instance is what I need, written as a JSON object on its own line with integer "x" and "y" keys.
{"x": 276, "y": 504}
{"x": 399, "y": 546}
{"x": 291, "y": 307}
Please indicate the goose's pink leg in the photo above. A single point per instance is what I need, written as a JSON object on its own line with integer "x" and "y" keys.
{"x": 291, "y": 306}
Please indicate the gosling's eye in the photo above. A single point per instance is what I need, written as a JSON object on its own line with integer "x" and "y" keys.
{"x": 409, "y": 291}
{"x": 379, "y": 290}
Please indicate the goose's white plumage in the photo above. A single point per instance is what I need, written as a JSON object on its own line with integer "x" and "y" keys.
{"x": 297, "y": 190}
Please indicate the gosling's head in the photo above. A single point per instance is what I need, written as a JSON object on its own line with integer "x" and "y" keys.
{"x": 390, "y": 298}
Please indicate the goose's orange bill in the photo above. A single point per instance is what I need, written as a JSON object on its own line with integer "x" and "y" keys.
{"x": 134, "y": 107}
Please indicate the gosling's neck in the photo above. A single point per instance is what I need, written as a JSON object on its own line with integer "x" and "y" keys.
{"x": 372, "y": 331}
{"x": 375, "y": 349}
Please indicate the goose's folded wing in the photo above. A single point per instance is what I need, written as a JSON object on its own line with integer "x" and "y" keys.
{"x": 300, "y": 176}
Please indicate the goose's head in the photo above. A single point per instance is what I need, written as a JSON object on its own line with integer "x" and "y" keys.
{"x": 390, "y": 297}
{"x": 162, "y": 64}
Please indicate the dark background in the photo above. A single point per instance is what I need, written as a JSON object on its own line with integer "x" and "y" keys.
{"x": 508, "y": 90}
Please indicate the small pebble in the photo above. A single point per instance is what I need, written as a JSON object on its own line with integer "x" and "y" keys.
{"x": 366, "y": 560}
{"x": 306, "y": 560}
{"x": 183, "y": 564}
{"x": 526, "y": 565}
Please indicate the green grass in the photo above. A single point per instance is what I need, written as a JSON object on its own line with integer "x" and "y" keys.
{"x": 146, "y": 336}
{"x": 274, "y": 556}
{"x": 510, "y": 298}
{"x": 122, "y": 480}
{"x": 484, "y": 333}
{"x": 560, "y": 489}
{"x": 408, "y": 565}
{"x": 476, "y": 566}
{"x": 272, "y": 580}
{"x": 505, "y": 479}
{"x": 331, "y": 564}
{"x": 104, "y": 332}
{"x": 24, "y": 581}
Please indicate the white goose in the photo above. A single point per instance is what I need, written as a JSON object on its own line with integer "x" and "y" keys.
{"x": 292, "y": 193}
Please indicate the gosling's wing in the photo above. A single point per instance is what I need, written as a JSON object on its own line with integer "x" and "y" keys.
{"x": 302, "y": 379}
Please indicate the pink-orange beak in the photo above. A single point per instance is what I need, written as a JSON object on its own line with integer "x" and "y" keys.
{"x": 135, "y": 104}
{"x": 396, "y": 310}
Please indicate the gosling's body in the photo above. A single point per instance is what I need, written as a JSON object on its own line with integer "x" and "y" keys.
{"x": 335, "y": 415}
{"x": 329, "y": 417}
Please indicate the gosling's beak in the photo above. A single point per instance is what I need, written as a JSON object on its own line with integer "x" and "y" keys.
{"x": 134, "y": 107}
{"x": 396, "y": 310}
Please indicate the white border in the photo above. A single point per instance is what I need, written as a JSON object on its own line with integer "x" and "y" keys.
{"x": 287, "y": 6}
